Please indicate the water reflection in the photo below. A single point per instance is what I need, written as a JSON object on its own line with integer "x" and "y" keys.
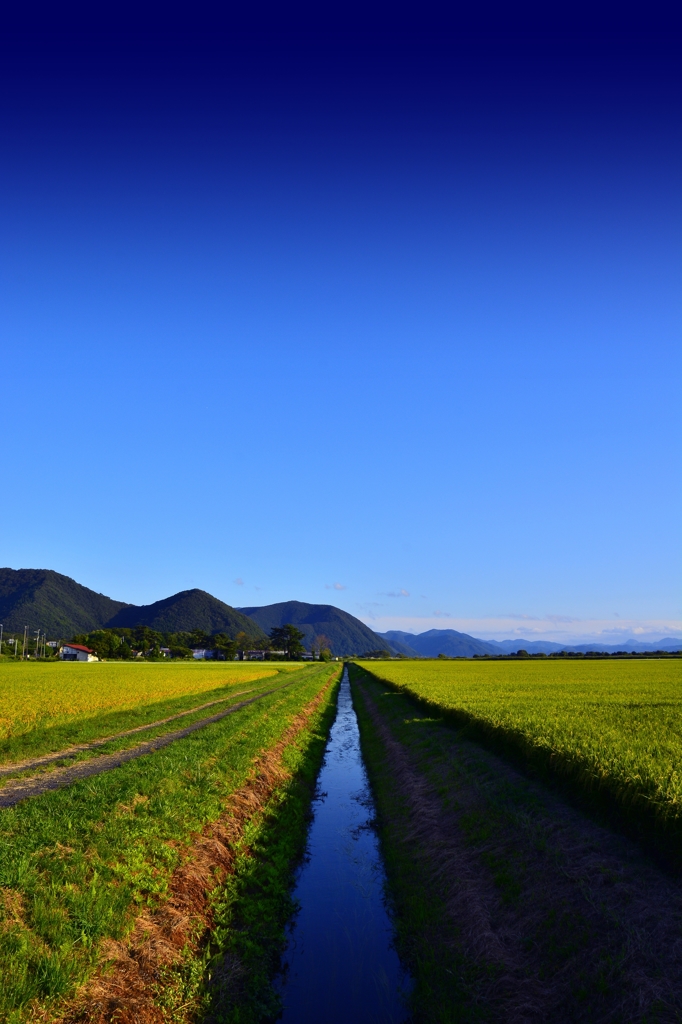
{"x": 340, "y": 963}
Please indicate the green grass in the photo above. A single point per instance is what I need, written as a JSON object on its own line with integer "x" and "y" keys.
{"x": 445, "y": 981}
{"x": 252, "y": 909}
{"x": 49, "y": 707}
{"x": 565, "y": 898}
{"x": 78, "y": 864}
{"x": 611, "y": 730}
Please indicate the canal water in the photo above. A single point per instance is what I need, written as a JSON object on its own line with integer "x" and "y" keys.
{"x": 340, "y": 963}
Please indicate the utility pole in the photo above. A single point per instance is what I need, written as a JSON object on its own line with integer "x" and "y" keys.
{"x": 25, "y": 644}
{"x": 37, "y": 632}
{"x": 0, "y": 637}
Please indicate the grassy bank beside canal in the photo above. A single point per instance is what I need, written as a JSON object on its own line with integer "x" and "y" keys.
{"x": 510, "y": 904}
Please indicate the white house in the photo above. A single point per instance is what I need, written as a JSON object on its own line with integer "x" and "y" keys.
{"x": 76, "y": 652}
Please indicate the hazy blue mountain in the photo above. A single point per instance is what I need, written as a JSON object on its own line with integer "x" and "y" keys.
{"x": 345, "y": 633}
{"x": 398, "y": 642}
{"x": 439, "y": 641}
{"x": 532, "y": 646}
{"x": 188, "y": 610}
{"x": 46, "y": 600}
{"x": 633, "y": 646}
{"x": 448, "y": 641}
{"x": 546, "y": 647}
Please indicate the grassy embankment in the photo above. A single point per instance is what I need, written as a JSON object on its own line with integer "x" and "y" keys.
{"x": 51, "y": 706}
{"x": 507, "y": 904}
{"x": 77, "y": 866}
{"x": 610, "y": 731}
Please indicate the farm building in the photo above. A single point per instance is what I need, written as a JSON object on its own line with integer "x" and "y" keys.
{"x": 76, "y": 652}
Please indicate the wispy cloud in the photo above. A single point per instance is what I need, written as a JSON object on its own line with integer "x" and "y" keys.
{"x": 335, "y": 586}
{"x": 558, "y": 628}
{"x": 368, "y": 609}
{"x": 239, "y": 581}
{"x": 522, "y": 617}
{"x": 397, "y": 593}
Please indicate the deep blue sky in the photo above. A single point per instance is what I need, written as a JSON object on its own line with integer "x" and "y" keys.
{"x": 378, "y": 313}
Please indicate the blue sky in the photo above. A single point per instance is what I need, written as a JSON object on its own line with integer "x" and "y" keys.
{"x": 389, "y": 321}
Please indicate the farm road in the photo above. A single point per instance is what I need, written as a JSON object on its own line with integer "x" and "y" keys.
{"x": 21, "y": 789}
{"x": 552, "y": 916}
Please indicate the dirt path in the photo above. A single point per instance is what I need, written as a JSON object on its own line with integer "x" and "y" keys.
{"x": 21, "y": 789}
{"x": 563, "y": 920}
{"x": 60, "y": 755}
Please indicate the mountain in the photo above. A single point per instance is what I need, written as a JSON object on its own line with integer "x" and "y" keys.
{"x": 438, "y": 641}
{"x": 43, "y": 599}
{"x": 345, "y": 633}
{"x": 398, "y": 642}
{"x": 547, "y": 647}
{"x": 46, "y": 600}
{"x": 532, "y": 646}
{"x": 448, "y": 641}
{"x": 188, "y": 610}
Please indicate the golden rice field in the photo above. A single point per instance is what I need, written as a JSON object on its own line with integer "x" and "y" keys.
{"x": 39, "y": 694}
{"x": 612, "y": 727}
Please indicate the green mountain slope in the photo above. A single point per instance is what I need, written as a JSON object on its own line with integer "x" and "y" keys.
{"x": 345, "y": 633}
{"x": 46, "y": 600}
{"x": 188, "y": 610}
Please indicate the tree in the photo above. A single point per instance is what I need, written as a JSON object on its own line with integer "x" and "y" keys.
{"x": 321, "y": 643}
{"x": 287, "y": 638}
{"x": 180, "y": 652}
{"x": 147, "y": 639}
{"x": 198, "y": 638}
{"x": 224, "y": 647}
{"x": 242, "y": 643}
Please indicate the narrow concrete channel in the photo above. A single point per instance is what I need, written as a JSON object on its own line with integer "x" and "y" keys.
{"x": 340, "y": 962}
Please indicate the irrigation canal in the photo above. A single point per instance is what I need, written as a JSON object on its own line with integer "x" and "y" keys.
{"x": 340, "y": 962}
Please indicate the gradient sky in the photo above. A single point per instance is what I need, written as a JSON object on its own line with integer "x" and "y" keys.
{"x": 380, "y": 314}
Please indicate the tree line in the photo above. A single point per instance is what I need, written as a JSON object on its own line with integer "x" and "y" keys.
{"x": 153, "y": 645}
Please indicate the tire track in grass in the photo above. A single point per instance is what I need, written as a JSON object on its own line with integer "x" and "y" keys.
{"x": 21, "y": 789}
{"x": 81, "y": 748}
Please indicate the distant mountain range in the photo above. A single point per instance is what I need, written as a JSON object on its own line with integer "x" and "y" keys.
{"x": 46, "y": 600}
{"x": 345, "y": 633}
{"x": 435, "y": 642}
{"x": 454, "y": 644}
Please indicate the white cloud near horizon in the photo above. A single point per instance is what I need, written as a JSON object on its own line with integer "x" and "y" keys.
{"x": 554, "y": 628}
